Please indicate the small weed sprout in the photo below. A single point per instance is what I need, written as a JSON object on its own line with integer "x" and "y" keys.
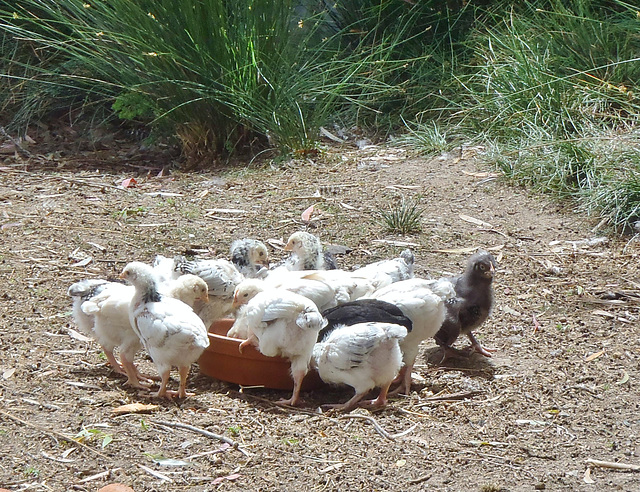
{"x": 403, "y": 217}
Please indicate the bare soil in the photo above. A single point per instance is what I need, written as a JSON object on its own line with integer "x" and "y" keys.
{"x": 560, "y": 390}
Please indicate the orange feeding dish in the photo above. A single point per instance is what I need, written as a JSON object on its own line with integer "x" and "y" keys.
{"x": 222, "y": 360}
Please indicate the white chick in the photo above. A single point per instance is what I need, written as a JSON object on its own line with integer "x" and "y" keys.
{"x": 385, "y": 272}
{"x": 321, "y": 294}
{"x": 423, "y": 302}
{"x": 169, "y": 329}
{"x": 281, "y": 323}
{"x": 165, "y": 268}
{"x": 102, "y": 311}
{"x": 250, "y": 257}
{"x": 222, "y": 277}
{"x": 363, "y": 356}
{"x": 307, "y": 253}
{"x": 349, "y": 286}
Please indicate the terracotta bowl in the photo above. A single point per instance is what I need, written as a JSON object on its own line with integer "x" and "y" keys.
{"x": 222, "y": 360}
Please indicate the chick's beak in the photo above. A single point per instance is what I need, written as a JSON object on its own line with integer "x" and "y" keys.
{"x": 235, "y": 303}
{"x": 122, "y": 276}
{"x": 288, "y": 247}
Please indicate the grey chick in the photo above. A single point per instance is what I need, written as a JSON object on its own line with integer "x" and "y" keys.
{"x": 471, "y": 306}
{"x": 250, "y": 257}
{"x": 307, "y": 253}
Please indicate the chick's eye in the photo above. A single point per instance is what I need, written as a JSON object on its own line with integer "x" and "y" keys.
{"x": 261, "y": 253}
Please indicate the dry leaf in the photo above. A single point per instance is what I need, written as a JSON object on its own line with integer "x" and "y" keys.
{"x": 77, "y": 335}
{"x": 306, "y": 215}
{"x": 8, "y": 373}
{"x": 129, "y": 183}
{"x": 134, "y": 408}
{"x": 594, "y": 356}
{"x": 82, "y": 263}
{"x": 10, "y": 224}
{"x": 587, "y": 476}
{"x": 459, "y": 250}
{"x": 233, "y": 476}
{"x": 475, "y": 221}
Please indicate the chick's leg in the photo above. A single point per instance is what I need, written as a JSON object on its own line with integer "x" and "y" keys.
{"x": 381, "y": 401}
{"x": 134, "y": 378}
{"x": 298, "y": 376}
{"x": 404, "y": 377}
{"x": 182, "y": 390}
{"x": 252, "y": 340}
{"x": 477, "y": 347}
{"x": 113, "y": 362}
{"x": 345, "y": 407}
{"x": 163, "y": 391}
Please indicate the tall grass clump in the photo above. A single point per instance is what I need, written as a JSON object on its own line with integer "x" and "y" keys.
{"x": 403, "y": 217}
{"x": 181, "y": 65}
{"x": 222, "y": 74}
{"x": 552, "y": 85}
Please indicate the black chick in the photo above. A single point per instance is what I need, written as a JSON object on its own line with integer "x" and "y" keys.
{"x": 471, "y": 306}
{"x": 363, "y": 311}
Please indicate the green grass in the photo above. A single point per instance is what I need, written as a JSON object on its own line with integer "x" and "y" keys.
{"x": 403, "y": 217}
{"x": 550, "y": 87}
{"x": 553, "y": 93}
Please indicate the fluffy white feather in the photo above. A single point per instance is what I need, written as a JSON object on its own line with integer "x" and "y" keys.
{"x": 363, "y": 356}
{"x": 281, "y": 323}
{"x": 386, "y": 272}
{"x": 171, "y": 332}
{"x": 423, "y": 302}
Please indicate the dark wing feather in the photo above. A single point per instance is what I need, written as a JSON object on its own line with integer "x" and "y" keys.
{"x": 363, "y": 311}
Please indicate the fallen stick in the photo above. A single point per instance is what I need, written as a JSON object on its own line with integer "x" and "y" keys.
{"x": 19, "y": 148}
{"x": 613, "y": 465}
{"x": 455, "y": 396}
{"x": 54, "y": 434}
{"x": 206, "y": 433}
{"x": 379, "y": 429}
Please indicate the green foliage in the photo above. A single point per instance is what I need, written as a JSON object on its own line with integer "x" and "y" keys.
{"x": 548, "y": 84}
{"x": 86, "y": 435}
{"x": 133, "y": 105}
{"x": 403, "y": 217}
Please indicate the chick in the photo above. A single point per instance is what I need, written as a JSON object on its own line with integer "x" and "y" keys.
{"x": 363, "y": 356}
{"x": 307, "y": 253}
{"x": 423, "y": 302}
{"x": 169, "y": 329}
{"x": 471, "y": 306}
{"x": 280, "y": 323}
{"x": 222, "y": 277}
{"x": 250, "y": 257}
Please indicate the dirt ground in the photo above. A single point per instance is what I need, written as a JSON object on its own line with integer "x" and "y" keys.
{"x": 560, "y": 390}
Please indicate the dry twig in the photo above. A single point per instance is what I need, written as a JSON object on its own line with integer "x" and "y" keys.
{"x": 613, "y": 465}
{"x": 19, "y": 148}
{"x": 206, "y": 433}
{"x": 53, "y": 434}
{"x": 379, "y": 429}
